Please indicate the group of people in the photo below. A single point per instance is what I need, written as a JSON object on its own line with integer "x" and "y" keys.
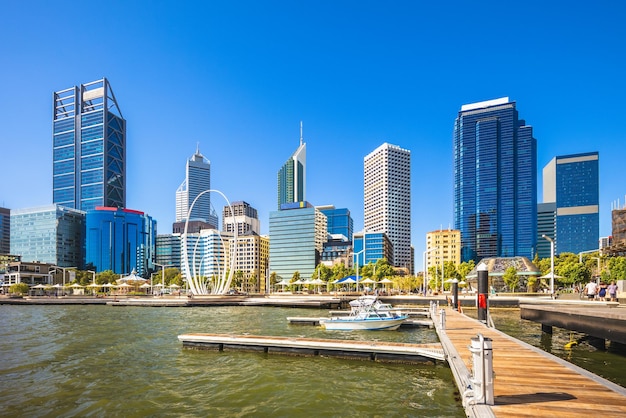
{"x": 601, "y": 291}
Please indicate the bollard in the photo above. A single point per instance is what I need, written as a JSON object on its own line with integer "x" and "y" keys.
{"x": 455, "y": 294}
{"x": 482, "y": 369}
{"x": 442, "y": 319}
{"x": 482, "y": 295}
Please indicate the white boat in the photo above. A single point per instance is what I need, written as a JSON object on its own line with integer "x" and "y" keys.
{"x": 367, "y": 313}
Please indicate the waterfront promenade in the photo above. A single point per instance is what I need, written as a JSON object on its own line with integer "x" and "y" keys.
{"x": 528, "y": 381}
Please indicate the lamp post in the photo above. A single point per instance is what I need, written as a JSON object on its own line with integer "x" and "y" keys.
{"x": 599, "y": 273}
{"x": 93, "y": 281}
{"x": 163, "y": 272}
{"x": 424, "y": 266}
{"x": 63, "y": 270}
{"x": 357, "y": 266}
{"x": 551, "y": 262}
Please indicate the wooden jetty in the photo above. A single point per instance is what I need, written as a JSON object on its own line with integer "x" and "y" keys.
{"x": 528, "y": 381}
{"x": 363, "y": 350}
{"x": 603, "y": 322}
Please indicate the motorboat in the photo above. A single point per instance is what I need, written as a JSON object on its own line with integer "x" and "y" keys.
{"x": 367, "y": 313}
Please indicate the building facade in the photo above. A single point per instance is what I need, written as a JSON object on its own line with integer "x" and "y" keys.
{"x": 244, "y": 216}
{"x": 546, "y": 225}
{"x": 292, "y": 176}
{"x": 49, "y": 234}
{"x": 339, "y": 221}
{"x": 197, "y": 180}
{"x": 495, "y": 181}
{"x": 89, "y": 148}
{"x": 120, "y": 240}
{"x": 5, "y": 231}
{"x": 387, "y": 199}
{"x": 297, "y": 237}
{"x": 572, "y": 183}
{"x": 369, "y": 247}
{"x": 168, "y": 250}
{"x": 442, "y": 246}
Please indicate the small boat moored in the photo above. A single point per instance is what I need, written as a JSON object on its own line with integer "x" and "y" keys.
{"x": 367, "y": 313}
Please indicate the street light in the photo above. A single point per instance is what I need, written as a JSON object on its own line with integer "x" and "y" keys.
{"x": 424, "y": 266}
{"x": 551, "y": 262}
{"x": 163, "y": 272}
{"x": 357, "y": 266}
{"x": 63, "y": 269}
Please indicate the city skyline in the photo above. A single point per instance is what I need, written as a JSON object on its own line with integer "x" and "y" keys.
{"x": 238, "y": 80}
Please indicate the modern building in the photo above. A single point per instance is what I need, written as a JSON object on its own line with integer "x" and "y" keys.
{"x": 292, "y": 176}
{"x": 369, "y": 247}
{"x": 297, "y": 237}
{"x": 244, "y": 216}
{"x": 252, "y": 263}
{"x": 337, "y": 249}
{"x": 572, "y": 183}
{"x": 442, "y": 246}
{"x": 339, "y": 220}
{"x": 168, "y": 250}
{"x": 89, "y": 148}
{"x": 197, "y": 180}
{"x": 31, "y": 273}
{"x": 121, "y": 240}
{"x": 387, "y": 199}
{"x": 5, "y": 231}
{"x": 495, "y": 181}
{"x": 546, "y": 225}
{"x": 49, "y": 234}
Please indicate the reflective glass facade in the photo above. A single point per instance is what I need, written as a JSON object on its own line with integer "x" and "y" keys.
{"x": 495, "y": 181}
{"x": 297, "y": 237}
{"x": 50, "y": 234}
{"x": 292, "y": 177}
{"x": 572, "y": 183}
{"x": 377, "y": 246}
{"x": 197, "y": 180}
{"x": 121, "y": 240}
{"x": 168, "y": 250}
{"x": 5, "y": 231}
{"x": 89, "y": 148}
{"x": 339, "y": 221}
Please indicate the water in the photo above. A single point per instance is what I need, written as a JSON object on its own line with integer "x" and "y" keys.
{"x": 97, "y": 361}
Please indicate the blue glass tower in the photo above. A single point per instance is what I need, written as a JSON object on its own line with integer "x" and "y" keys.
{"x": 572, "y": 183}
{"x": 495, "y": 181}
{"x": 339, "y": 220}
{"x": 121, "y": 240}
{"x": 292, "y": 176}
{"x": 89, "y": 148}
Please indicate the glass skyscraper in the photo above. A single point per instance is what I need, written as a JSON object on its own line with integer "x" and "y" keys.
{"x": 292, "y": 176}
{"x": 89, "y": 148}
{"x": 339, "y": 221}
{"x": 5, "y": 230}
{"x": 121, "y": 240}
{"x": 197, "y": 180}
{"x": 572, "y": 182}
{"x": 495, "y": 181}
{"x": 387, "y": 200}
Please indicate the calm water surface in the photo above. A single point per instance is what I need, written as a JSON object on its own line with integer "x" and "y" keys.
{"x": 96, "y": 361}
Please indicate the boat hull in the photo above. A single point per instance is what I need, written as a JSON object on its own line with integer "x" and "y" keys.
{"x": 341, "y": 324}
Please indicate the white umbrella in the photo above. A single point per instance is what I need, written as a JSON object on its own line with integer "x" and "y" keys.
{"x": 174, "y": 286}
{"x": 367, "y": 281}
{"x": 145, "y": 285}
{"x": 39, "y": 286}
{"x": 76, "y": 285}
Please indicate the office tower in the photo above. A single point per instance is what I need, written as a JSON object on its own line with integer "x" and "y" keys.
{"x": 546, "y": 225}
{"x": 50, "y": 234}
{"x": 339, "y": 220}
{"x": 5, "y": 231}
{"x": 121, "y": 240}
{"x": 292, "y": 176}
{"x": 297, "y": 235}
{"x": 572, "y": 182}
{"x": 197, "y": 180}
{"x": 442, "y": 246}
{"x": 495, "y": 181}
{"x": 369, "y": 247}
{"x": 89, "y": 148}
{"x": 244, "y": 216}
{"x": 387, "y": 186}
{"x": 168, "y": 250}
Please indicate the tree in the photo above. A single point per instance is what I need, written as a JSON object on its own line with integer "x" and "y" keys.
{"x": 106, "y": 276}
{"x": 511, "y": 279}
{"x": 465, "y": 268}
{"x": 19, "y": 288}
{"x": 617, "y": 268}
{"x": 383, "y": 269}
{"x": 572, "y": 272}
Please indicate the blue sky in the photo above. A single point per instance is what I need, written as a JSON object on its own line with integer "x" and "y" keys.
{"x": 238, "y": 77}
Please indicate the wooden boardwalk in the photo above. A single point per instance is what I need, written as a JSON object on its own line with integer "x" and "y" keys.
{"x": 528, "y": 381}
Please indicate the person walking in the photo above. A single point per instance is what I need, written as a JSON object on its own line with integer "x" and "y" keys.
{"x": 602, "y": 291}
{"x": 591, "y": 289}
{"x": 612, "y": 290}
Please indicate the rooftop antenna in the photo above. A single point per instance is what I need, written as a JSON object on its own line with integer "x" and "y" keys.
{"x": 198, "y": 147}
{"x": 300, "y": 132}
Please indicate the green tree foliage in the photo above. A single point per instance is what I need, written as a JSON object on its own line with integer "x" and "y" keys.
{"x": 106, "y": 276}
{"x": 339, "y": 271}
{"x": 465, "y": 268}
{"x": 19, "y": 289}
{"x": 571, "y": 272}
{"x": 617, "y": 268}
{"x": 383, "y": 269}
{"x": 511, "y": 279}
{"x": 295, "y": 277}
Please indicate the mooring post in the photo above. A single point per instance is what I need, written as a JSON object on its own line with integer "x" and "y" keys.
{"x": 442, "y": 319}
{"x": 483, "y": 292}
{"x": 482, "y": 369}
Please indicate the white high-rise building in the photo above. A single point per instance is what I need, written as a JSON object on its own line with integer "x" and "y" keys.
{"x": 387, "y": 199}
{"x": 197, "y": 180}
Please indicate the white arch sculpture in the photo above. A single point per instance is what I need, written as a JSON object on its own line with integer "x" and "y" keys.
{"x": 197, "y": 285}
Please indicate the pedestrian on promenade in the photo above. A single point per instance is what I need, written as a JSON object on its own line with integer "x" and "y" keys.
{"x": 602, "y": 291}
{"x": 591, "y": 289}
{"x": 612, "y": 289}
